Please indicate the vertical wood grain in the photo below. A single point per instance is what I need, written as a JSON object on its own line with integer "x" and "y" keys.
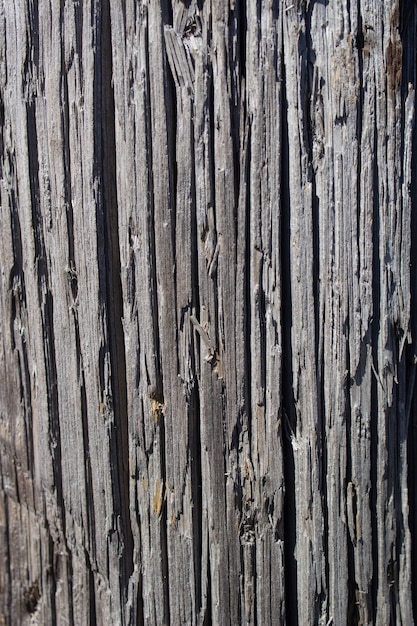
{"x": 207, "y": 294}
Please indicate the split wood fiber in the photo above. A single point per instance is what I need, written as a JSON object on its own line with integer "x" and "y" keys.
{"x": 208, "y": 312}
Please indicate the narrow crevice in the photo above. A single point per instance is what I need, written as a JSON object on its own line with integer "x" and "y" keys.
{"x": 110, "y": 284}
{"x": 214, "y": 323}
{"x": 18, "y": 306}
{"x": 254, "y": 578}
{"x": 45, "y": 299}
{"x": 150, "y": 229}
{"x": 37, "y": 229}
{"x": 167, "y": 14}
{"x": 237, "y": 43}
{"x": 288, "y": 416}
{"x": 196, "y": 488}
{"x": 410, "y": 46}
{"x": 92, "y": 593}
{"x": 65, "y": 123}
{"x": 89, "y": 493}
{"x": 194, "y": 406}
{"x": 52, "y": 396}
{"x": 412, "y": 487}
{"x": 72, "y": 583}
{"x": 53, "y": 581}
{"x": 8, "y": 533}
{"x": 375, "y": 330}
{"x": 137, "y": 606}
{"x": 307, "y": 79}
{"x": 208, "y": 621}
{"x": 353, "y": 613}
{"x": 25, "y": 375}
{"x": 3, "y": 152}
{"x": 247, "y": 295}
{"x": 157, "y": 386}
{"x": 79, "y": 29}
{"x": 140, "y": 615}
{"x": 359, "y": 45}
{"x": 16, "y": 277}
{"x": 31, "y": 62}
{"x": 164, "y": 523}
{"x": 318, "y": 317}
{"x": 260, "y": 312}
{"x": 172, "y": 101}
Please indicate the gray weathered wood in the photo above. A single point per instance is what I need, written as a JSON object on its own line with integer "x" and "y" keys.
{"x": 208, "y": 304}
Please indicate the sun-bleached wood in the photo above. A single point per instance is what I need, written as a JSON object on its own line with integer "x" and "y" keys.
{"x": 208, "y": 305}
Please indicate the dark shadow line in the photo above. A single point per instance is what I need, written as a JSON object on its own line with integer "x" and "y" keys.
{"x": 288, "y": 417}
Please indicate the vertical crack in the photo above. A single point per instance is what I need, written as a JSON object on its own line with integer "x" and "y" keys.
{"x": 375, "y": 330}
{"x": 409, "y": 48}
{"x": 207, "y": 621}
{"x": 194, "y": 417}
{"x": 310, "y": 94}
{"x": 46, "y": 306}
{"x": 157, "y": 390}
{"x": 288, "y": 411}
{"x": 7, "y": 533}
{"x": 110, "y": 284}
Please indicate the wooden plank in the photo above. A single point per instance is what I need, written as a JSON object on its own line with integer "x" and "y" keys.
{"x": 207, "y": 292}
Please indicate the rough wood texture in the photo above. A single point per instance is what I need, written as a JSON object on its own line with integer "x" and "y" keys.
{"x": 208, "y": 303}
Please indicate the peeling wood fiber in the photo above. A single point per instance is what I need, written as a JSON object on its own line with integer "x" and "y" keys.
{"x": 208, "y": 236}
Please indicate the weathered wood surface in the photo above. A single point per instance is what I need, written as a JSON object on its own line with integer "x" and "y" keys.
{"x": 207, "y": 295}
